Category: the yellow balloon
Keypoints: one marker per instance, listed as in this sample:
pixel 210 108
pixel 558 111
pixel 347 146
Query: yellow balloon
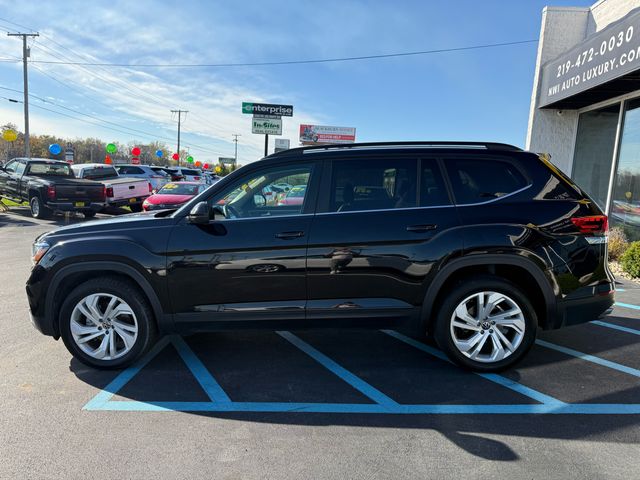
pixel 218 169
pixel 9 135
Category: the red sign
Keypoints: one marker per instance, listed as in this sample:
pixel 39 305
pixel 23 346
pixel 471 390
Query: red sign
pixel 320 134
pixel 135 161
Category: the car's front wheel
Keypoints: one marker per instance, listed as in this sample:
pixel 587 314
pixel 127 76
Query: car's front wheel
pixel 107 323
pixel 486 324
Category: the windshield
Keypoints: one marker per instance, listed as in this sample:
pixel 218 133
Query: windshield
pixel 49 169
pixel 179 189
pixel 99 173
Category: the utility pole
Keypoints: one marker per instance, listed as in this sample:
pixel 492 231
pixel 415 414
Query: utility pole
pixel 235 140
pixel 266 145
pixel 180 112
pixel 25 55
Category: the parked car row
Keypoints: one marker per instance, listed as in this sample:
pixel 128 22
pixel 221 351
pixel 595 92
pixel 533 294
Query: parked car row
pixel 53 185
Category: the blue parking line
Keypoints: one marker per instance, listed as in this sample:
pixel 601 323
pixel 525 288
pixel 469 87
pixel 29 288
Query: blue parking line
pixel 353 380
pixel 620 290
pixel 499 379
pixel 203 376
pixel 361 408
pixel 616 327
pixel 590 358
pixel 123 378
pixel 627 305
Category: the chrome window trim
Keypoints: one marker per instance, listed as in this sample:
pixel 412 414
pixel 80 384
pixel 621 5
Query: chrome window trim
pixel 388 209
pixel 296 215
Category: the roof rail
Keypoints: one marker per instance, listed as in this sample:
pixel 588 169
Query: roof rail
pixel 383 145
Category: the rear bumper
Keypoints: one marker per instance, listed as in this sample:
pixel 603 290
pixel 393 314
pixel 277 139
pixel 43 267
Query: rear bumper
pixel 583 310
pixel 71 206
pixel 126 201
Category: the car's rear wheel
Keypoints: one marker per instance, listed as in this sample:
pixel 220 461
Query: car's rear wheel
pixel 486 324
pixel 107 323
pixel 38 210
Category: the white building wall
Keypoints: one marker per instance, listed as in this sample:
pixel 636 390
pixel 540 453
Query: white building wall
pixel 553 131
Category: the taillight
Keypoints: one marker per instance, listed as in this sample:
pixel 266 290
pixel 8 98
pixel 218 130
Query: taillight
pixel 592 224
pixel 150 188
pixel 108 192
pixel 51 192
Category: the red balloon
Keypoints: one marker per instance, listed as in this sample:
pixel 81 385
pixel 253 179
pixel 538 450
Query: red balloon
pixel 135 151
pixel 175 156
pixel 206 166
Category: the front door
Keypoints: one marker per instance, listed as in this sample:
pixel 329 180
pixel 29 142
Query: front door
pixel 378 233
pixel 249 262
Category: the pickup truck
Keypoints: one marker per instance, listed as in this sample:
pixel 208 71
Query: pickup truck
pixel 119 191
pixel 49 185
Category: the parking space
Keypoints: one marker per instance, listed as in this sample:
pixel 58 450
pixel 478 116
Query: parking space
pixel 315 403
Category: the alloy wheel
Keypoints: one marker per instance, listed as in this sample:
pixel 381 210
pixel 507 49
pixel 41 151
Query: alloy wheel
pixel 104 326
pixel 487 326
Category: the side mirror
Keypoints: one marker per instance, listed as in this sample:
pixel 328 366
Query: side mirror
pixel 199 214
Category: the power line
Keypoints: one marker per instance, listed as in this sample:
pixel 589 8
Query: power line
pixel 290 62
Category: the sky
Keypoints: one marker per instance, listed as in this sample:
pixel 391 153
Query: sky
pixel 481 94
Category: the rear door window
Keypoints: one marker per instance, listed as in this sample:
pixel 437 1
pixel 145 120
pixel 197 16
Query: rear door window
pixel 130 170
pixel 479 180
pixel 373 184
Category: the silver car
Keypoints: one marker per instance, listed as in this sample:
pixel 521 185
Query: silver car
pixel 157 179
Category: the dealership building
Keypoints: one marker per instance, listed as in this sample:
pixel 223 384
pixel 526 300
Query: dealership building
pixel 585 106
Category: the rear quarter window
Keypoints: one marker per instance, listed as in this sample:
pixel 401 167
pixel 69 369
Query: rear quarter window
pixel 480 180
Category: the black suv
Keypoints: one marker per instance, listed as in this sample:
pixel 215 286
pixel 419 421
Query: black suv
pixel 474 244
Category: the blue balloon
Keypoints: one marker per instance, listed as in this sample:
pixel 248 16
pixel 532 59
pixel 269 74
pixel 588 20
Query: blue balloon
pixel 55 149
pixel 159 153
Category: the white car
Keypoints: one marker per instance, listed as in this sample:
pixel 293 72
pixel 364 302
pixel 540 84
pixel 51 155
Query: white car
pixel 156 179
pixel 191 174
pixel 119 191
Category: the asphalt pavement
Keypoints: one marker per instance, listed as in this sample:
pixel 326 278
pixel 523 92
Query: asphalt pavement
pixel 313 404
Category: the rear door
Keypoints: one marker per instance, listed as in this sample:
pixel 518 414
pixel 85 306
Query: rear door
pixel 382 224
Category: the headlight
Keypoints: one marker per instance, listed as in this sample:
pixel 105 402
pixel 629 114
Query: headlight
pixel 38 249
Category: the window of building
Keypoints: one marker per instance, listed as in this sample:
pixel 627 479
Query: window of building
pixel 476 181
pixel 373 184
pixel 593 155
pixel 625 199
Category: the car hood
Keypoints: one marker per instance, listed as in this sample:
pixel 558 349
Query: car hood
pixel 168 199
pixel 143 220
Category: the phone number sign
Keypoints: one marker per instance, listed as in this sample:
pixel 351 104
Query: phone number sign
pixel 609 54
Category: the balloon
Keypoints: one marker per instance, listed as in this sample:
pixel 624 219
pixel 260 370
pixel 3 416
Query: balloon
pixel 190 159
pixel 55 149
pixel 107 160
pixel 159 153
pixel 218 169
pixel 198 164
pixel 135 151
pixel 206 166
pixel 9 135
pixel 111 148
pixel 175 156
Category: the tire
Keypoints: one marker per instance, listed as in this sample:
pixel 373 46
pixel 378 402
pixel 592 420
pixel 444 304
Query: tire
pixel 38 210
pixel 461 345
pixel 89 214
pixel 136 207
pixel 135 322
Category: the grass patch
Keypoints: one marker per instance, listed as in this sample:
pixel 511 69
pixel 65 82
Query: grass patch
pixel 11 203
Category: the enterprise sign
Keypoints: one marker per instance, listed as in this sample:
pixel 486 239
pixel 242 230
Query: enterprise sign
pixel 267 109
pixel 607 55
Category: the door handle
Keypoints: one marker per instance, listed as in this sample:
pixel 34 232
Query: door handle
pixel 422 228
pixel 289 235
